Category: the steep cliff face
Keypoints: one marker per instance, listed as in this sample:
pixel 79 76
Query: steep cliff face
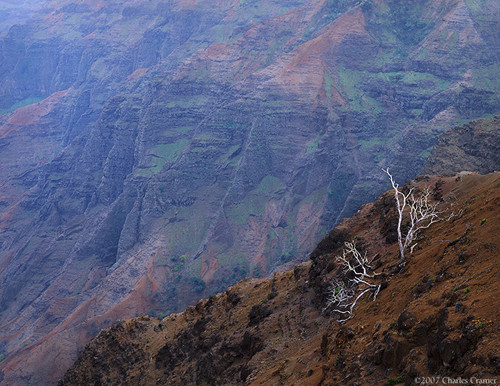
pixel 437 316
pixel 155 152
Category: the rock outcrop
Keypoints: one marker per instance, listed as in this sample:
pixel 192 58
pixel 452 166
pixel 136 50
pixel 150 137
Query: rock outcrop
pixel 472 147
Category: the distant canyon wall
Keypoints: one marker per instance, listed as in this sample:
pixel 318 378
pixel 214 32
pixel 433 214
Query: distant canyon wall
pixel 153 153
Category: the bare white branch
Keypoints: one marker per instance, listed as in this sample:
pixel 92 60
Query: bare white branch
pixel 342 298
pixel 420 209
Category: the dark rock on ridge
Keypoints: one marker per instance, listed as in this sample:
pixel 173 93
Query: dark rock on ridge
pixel 471 147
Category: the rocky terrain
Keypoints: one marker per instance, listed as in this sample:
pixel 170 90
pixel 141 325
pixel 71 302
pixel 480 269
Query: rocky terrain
pixel 437 316
pixel 156 152
pixel 474 147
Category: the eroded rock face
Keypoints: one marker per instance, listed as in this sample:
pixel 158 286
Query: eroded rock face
pixel 472 147
pixel 169 149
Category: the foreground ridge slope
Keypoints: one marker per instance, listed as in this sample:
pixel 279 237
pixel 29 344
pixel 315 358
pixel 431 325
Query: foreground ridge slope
pixel 437 316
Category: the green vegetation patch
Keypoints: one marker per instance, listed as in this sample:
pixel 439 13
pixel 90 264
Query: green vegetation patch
pixel 251 205
pixel 169 151
pixel 231 258
pixel 184 237
pixel 161 262
pixel 487 77
pixel 221 32
pixel 353 82
pixel 473 6
pixel 175 131
pixel 254 202
pixel 23 103
pixel 188 102
pixel 263 9
pixel 276 49
pixel 268 184
pixel 350 81
pixel 194 268
pixel 425 153
pixel 404 22
pixel 371 143
pixel 313 145
pixel 159 155
pixel 427 83
pixel 317 197
pixel 330 11
pixel 395 381
pixel 458 121
pixel 206 142
pixel 328 83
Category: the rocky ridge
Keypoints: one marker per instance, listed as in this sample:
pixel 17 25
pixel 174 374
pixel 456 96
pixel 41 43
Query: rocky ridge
pixel 438 316
pixel 472 147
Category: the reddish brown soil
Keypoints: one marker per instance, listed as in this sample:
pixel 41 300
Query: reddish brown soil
pixel 438 316
pixel 27 115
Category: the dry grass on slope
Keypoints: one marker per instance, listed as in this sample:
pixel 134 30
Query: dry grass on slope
pixel 439 316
